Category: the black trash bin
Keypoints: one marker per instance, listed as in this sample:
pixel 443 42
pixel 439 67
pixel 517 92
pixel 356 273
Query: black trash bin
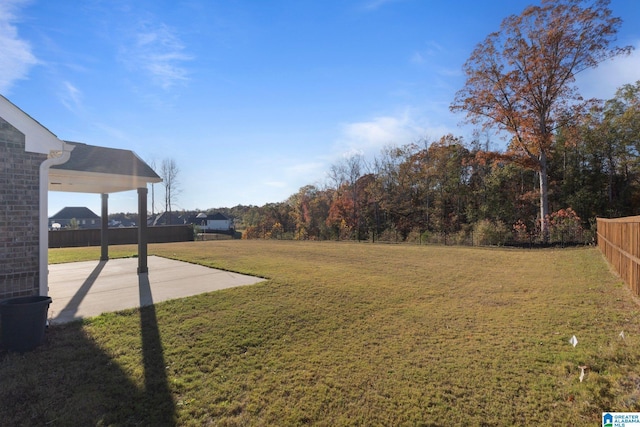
pixel 23 320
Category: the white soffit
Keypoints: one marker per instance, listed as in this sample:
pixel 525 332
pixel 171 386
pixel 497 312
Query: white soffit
pixel 92 182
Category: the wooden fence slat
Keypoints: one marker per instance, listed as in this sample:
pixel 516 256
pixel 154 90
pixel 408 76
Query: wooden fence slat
pixel 119 236
pixel 619 242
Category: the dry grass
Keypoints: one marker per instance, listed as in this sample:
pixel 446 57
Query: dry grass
pixel 347 334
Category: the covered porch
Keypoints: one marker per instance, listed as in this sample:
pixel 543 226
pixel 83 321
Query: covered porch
pixel 34 161
pixel 101 170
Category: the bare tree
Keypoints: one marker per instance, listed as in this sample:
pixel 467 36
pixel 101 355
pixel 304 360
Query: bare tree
pixel 152 163
pixel 345 175
pixel 169 173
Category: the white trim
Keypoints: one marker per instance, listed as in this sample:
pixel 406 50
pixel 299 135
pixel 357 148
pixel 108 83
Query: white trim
pixel 37 138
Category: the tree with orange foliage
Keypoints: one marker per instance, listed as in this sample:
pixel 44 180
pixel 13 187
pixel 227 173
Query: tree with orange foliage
pixel 521 79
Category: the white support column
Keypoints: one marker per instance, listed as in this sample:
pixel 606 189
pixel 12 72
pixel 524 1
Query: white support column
pixel 143 238
pixel 62 157
pixel 104 228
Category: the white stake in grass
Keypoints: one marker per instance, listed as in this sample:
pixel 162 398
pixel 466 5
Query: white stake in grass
pixel 582 368
pixel 573 341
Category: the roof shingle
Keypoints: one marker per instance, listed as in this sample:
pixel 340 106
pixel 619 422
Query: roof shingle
pixel 92 158
pixel 75 212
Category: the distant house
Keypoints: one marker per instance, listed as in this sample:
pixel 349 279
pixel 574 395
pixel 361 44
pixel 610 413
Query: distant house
pixel 83 217
pixel 216 222
pixel 165 218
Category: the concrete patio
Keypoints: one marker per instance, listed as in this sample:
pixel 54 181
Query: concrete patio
pixel 90 288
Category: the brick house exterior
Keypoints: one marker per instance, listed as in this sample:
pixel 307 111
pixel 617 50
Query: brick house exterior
pixel 27 151
pixel 19 214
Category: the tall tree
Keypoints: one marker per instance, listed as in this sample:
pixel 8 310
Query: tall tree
pixel 610 136
pixel 310 208
pixel 445 168
pixel 345 175
pixel 386 189
pixel 522 78
pixel 169 173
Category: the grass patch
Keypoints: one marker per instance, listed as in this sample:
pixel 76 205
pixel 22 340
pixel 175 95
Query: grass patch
pixel 90 253
pixel 347 334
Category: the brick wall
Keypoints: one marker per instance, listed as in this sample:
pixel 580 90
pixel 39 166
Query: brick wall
pixel 19 215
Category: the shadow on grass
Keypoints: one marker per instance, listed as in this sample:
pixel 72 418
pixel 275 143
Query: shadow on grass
pixel 155 373
pixel 71 380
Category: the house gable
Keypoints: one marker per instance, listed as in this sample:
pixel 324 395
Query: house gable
pixel 37 138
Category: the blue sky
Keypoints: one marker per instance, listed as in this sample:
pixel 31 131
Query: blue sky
pixel 253 99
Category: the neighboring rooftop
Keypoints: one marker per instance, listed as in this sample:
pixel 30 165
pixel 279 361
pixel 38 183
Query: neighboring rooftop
pixel 217 217
pixel 76 212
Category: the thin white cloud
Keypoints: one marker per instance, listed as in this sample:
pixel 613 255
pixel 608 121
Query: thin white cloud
pixel 376 4
pixel 431 49
pixel 449 71
pixel 113 132
pixel 418 58
pixel 308 168
pixel 157 51
pixel 17 57
pixel 377 132
pixel 71 97
pixel 437 61
pixel 369 137
pixel 603 81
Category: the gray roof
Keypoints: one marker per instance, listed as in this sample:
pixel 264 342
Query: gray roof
pixel 94 169
pixel 92 158
pixel 75 212
pixel 217 217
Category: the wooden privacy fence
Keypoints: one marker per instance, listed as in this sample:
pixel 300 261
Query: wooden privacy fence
pixel 119 236
pixel 619 241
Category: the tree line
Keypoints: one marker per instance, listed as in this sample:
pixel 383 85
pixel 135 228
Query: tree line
pixel 568 159
pixel 454 191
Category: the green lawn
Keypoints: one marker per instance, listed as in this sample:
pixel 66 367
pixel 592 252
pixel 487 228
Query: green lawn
pixel 346 334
